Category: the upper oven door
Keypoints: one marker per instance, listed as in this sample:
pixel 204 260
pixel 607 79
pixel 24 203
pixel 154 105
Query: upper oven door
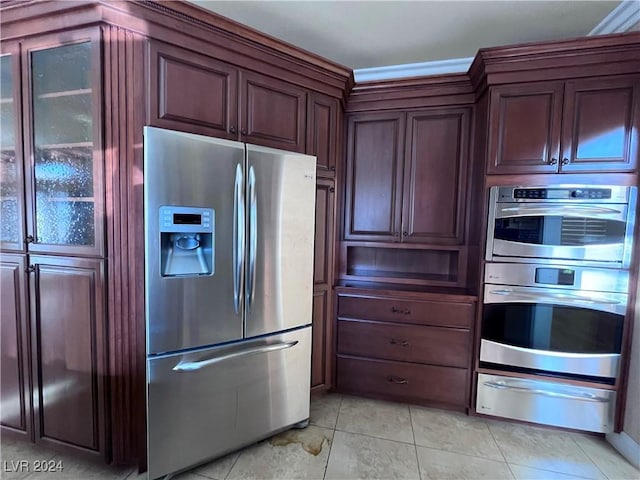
pixel 570 331
pixel 575 232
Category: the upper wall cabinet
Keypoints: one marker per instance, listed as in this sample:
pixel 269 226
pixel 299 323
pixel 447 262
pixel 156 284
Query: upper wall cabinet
pixel 192 92
pixel 198 94
pixel 53 176
pixel 374 177
pixel 575 126
pixel 11 164
pixel 403 171
pixel 323 121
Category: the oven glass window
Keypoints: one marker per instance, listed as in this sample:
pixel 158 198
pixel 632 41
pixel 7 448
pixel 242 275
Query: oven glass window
pixel 552 327
pixel 556 230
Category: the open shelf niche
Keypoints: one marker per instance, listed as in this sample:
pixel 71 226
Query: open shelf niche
pixel 438 265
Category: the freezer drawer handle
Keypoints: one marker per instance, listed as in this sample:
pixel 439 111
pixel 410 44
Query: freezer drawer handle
pixel 588 397
pixel 191 366
pixel 397 380
pixel 404 311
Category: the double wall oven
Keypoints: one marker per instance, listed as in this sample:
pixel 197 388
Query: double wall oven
pixel 555 295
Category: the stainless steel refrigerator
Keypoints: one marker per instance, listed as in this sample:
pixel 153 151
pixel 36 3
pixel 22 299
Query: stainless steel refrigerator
pixel 229 230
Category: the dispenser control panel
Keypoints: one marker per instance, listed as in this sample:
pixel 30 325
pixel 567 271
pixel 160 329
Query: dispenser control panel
pixel 186 219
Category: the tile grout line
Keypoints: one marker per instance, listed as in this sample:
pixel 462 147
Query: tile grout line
pixel 234 464
pixel 496 442
pixel 333 438
pixel 415 445
pixel 588 456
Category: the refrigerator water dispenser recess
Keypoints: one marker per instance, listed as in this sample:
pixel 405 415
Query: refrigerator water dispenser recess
pixel 187 240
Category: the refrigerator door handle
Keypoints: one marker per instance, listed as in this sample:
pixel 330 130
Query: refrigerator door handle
pixel 191 366
pixel 238 239
pixel 253 239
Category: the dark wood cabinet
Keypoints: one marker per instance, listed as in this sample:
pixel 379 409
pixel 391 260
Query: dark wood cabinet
pixel 323 123
pixel 69 352
pixel 192 91
pixel 435 174
pixel 12 206
pixel 53 332
pixel 373 202
pixel 600 125
pixel 319 340
pixel 199 94
pixel 404 346
pixel 273 112
pixel 401 180
pixel 321 353
pixel 524 128
pixel 63 145
pixel 324 232
pixel 575 126
pixel 15 415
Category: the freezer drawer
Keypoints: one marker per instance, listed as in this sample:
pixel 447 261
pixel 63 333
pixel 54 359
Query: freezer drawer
pixel 548 403
pixel 204 404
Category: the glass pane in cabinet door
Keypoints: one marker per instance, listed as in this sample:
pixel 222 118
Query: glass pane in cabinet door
pixel 63 145
pixel 9 178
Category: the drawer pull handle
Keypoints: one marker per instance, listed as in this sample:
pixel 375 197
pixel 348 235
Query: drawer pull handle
pixel 397 380
pixel 404 311
pixel 402 343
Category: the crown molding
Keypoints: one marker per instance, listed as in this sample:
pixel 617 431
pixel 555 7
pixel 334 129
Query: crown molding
pixel 621 19
pixel 454 65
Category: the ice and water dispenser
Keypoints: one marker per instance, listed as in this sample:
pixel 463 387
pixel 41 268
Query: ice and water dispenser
pixel 186 241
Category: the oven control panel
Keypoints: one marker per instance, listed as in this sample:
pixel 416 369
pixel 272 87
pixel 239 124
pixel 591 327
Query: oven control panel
pixel 562 193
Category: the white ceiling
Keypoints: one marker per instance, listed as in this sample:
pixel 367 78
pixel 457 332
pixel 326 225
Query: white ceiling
pixel 365 34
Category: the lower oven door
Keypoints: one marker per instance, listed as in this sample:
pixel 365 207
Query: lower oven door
pixel 548 403
pixel 553 330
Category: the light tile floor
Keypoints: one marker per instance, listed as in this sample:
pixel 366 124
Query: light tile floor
pixel 356 438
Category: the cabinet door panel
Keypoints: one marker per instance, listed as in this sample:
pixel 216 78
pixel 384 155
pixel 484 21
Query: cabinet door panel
pixel 14 378
pixel 323 260
pixel 192 92
pixel 69 353
pixel 435 176
pixel 319 338
pixel 322 132
pixel 273 112
pixel 374 177
pixel 600 125
pixel 63 133
pixel 524 128
pixel 12 208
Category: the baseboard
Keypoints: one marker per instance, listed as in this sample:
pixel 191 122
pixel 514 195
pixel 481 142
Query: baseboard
pixel 627 447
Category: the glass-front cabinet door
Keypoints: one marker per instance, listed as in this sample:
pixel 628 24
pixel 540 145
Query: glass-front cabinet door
pixel 11 166
pixel 63 141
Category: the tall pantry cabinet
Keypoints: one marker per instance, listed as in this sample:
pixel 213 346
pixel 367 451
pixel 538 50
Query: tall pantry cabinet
pixel 53 257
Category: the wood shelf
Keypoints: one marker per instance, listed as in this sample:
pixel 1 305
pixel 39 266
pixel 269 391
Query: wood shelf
pixel 437 265
pixel 66 93
pixel 71 199
pixel 53 146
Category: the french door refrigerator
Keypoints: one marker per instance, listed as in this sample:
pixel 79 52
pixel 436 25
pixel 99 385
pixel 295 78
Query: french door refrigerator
pixel 229 231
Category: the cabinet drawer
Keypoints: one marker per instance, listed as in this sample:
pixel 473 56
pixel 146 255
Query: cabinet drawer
pixel 403 381
pixel 409 343
pixel 447 314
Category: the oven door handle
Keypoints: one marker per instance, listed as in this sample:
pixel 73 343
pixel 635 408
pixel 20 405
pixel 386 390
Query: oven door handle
pixel 562 210
pixel 549 296
pixel 587 397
